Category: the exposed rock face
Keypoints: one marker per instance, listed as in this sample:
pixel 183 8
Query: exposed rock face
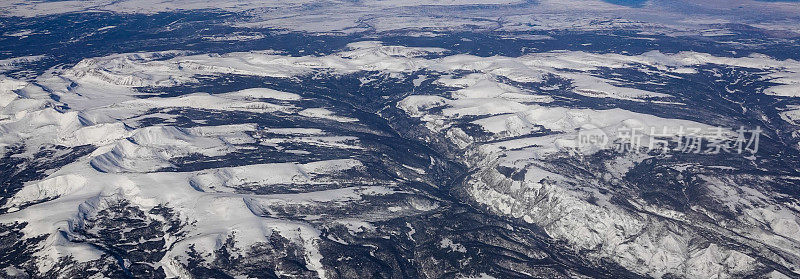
pixel 424 157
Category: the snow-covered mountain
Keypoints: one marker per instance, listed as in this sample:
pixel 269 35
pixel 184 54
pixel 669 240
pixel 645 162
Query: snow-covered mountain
pixel 196 139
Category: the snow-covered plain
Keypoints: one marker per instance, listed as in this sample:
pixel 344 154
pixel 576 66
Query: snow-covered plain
pixel 343 17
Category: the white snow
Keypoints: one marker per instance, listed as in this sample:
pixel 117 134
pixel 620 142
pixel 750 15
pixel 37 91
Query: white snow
pixel 229 179
pixel 14 63
pixel 452 246
pixel 102 111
